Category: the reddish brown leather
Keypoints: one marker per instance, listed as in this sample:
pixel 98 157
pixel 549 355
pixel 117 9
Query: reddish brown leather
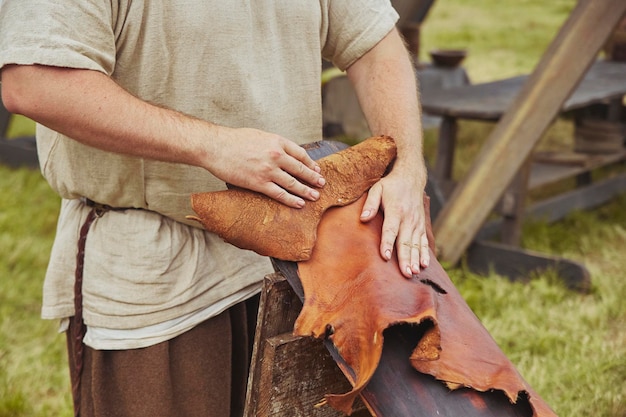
pixel 351 291
pixel 253 221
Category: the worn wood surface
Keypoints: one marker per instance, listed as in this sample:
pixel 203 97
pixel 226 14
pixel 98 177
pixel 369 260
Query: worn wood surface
pixel 297 372
pixel 541 98
pixel 289 375
pixel 278 310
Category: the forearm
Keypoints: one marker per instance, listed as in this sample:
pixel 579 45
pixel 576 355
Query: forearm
pixel 384 80
pixel 385 83
pixel 90 107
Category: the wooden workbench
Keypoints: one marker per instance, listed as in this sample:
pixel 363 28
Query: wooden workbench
pixel 605 81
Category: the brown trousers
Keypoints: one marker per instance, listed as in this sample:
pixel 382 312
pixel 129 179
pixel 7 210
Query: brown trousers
pixel 202 372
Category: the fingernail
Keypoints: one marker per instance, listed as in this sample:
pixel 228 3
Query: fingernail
pixel 315 194
pixel 300 203
pixel 408 270
pixel 388 254
pixel 416 268
pixel 366 213
pixel 321 182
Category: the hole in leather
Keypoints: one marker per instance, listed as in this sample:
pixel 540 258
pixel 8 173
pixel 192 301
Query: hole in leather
pixel 433 284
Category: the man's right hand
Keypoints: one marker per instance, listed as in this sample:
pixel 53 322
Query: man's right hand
pixel 266 163
pixel 90 107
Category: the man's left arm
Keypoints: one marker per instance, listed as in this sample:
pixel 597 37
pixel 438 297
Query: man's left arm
pixel 385 83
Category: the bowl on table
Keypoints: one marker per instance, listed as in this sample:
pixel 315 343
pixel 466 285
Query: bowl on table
pixel 448 57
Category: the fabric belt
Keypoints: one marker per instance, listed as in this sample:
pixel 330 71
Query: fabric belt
pixel 97 210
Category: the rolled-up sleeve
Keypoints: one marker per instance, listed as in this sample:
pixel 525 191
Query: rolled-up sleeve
pixel 351 30
pixel 69 33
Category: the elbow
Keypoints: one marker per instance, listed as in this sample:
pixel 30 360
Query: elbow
pixel 15 94
pixel 9 100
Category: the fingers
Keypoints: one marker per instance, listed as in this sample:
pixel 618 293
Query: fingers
pixel 299 154
pixel 424 251
pixel 403 229
pixel 413 254
pixel 391 226
pixel 294 177
pixel 372 204
pixel 289 191
pixel 298 171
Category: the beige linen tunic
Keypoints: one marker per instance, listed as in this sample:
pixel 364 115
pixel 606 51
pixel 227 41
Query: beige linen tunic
pixel 252 63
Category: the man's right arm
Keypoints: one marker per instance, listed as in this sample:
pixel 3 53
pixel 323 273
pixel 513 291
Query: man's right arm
pixel 90 107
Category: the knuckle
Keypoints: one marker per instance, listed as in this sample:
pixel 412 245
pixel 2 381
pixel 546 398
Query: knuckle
pixel 280 194
pixel 275 155
pixel 292 183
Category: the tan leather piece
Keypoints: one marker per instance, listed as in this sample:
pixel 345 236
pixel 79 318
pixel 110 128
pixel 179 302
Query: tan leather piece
pixel 253 221
pixel 350 289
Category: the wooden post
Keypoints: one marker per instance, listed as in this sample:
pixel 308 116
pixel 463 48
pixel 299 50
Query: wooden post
pixel 556 76
pixel 5 118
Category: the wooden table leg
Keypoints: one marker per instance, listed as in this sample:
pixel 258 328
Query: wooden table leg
pixel 513 206
pixel 445 152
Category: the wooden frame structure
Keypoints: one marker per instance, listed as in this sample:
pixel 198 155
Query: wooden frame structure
pixel 507 149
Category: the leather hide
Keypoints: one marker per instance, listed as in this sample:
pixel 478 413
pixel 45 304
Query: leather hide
pixel 253 221
pixel 351 293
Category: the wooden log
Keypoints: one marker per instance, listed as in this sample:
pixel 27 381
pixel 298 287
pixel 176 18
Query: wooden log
pixel 289 374
pixel 297 372
pixel 559 71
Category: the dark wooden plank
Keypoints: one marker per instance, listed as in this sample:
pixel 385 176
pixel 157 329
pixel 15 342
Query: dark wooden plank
pixel 604 80
pixel 557 207
pixel 397 390
pixel 445 149
pixel 544 173
pixel 512 205
pixel 582 198
pixel 484 257
pixel 485 101
pixel 317 150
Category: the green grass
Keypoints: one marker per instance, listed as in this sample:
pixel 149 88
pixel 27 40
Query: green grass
pixel 20 126
pixel 33 375
pixel 503 38
pixel 570 347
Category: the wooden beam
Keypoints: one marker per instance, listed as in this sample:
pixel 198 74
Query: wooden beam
pixel 556 76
